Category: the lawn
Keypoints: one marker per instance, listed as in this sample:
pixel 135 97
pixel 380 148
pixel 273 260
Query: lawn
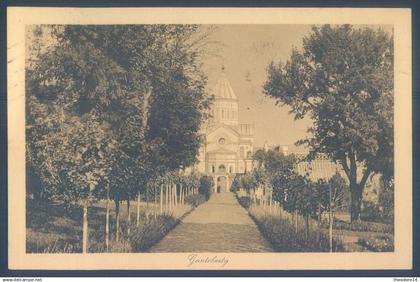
pixel 54 227
pixel 279 229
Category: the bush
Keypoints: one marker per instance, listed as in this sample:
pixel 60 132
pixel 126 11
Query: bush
pixel 362 226
pixel 280 232
pixel 244 201
pixel 150 232
pixel 375 213
pixel 378 244
pixel 195 200
pixel 206 184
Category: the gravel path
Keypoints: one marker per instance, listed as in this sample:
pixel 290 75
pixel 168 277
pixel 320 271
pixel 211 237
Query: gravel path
pixel 219 225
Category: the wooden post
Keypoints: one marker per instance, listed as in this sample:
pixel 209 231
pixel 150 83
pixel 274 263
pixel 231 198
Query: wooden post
pixel 166 198
pixel 175 195
pixel 128 217
pixel 85 227
pixel 161 198
pixel 155 199
pixel 296 221
pixel 117 219
pixel 138 209
pixel 330 215
pixel 181 199
pixel 107 222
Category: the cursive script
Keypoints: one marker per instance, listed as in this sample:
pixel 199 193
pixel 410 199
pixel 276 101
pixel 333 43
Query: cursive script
pixel 197 259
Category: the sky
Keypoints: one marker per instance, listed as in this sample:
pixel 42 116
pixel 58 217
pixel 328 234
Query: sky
pixel 245 51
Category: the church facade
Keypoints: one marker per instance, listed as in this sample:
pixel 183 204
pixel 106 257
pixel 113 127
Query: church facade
pixel 228 145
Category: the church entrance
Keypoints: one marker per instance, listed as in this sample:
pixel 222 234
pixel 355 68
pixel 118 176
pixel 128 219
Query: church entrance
pixel 222 185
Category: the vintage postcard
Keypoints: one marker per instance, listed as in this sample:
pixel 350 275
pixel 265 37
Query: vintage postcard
pixel 209 138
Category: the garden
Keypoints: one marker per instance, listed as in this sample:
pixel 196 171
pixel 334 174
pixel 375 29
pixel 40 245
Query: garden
pixel 296 214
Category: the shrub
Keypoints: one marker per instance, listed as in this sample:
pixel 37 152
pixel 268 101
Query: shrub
pixel 378 243
pixel 244 201
pixel 375 213
pixel 362 226
pixel 235 184
pixel 195 200
pixel 206 184
pixel 280 232
pixel 150 232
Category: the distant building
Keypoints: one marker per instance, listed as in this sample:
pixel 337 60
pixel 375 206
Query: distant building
pixel 228 145
pixel 324 168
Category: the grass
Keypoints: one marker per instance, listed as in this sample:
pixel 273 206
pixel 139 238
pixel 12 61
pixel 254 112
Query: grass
pixel 281 233
pixel 244 201
pixel 381 243
pixel 363 226
pixel 195 200
pixel 278 227
pixel 55 228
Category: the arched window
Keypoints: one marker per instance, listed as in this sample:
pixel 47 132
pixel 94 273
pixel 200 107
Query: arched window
pixel 230 169
pixel 212 168
pixel 249 154
pixel 222 168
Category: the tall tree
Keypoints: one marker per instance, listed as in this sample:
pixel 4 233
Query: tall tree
pixel 343 80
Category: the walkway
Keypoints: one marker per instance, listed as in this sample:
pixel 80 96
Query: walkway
pixel 219 225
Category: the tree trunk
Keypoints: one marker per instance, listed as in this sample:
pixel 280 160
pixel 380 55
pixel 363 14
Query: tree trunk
pixel 85 227
pixel 356 189
pixel 296 221
pixel 307 225
pixel 166 198
pixel 181 196
pixel 356 202
pixel 107 223
pixel 155 199
pixel 170 197
pixel 138 209
pixel 147 201
pixel 117 220
pixel 175 195
pixel 161 198
pixel 128 217
pixel 331 218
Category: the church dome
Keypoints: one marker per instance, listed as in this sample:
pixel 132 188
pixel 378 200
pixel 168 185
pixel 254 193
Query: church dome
pixel 223 90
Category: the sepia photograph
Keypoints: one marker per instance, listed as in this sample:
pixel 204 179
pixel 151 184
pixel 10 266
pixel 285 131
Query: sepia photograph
pixel 206 143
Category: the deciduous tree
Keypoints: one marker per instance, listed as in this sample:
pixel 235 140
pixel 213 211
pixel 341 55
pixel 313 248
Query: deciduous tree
pixel 343 80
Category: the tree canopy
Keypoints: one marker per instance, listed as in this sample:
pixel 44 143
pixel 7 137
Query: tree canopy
pixel 343 80
pixel 138 87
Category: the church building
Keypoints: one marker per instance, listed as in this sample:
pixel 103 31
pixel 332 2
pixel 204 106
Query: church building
pixel 228 145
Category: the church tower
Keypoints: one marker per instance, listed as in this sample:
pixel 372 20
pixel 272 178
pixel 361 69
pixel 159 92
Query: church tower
pixel 225 106
pixel 228 146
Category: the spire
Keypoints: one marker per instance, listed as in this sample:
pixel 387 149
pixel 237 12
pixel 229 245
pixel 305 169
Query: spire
pixel 223 88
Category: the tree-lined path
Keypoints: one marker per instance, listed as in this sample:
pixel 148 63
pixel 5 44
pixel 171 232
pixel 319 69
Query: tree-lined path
pixel 219 225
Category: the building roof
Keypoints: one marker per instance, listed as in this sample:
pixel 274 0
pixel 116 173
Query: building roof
pixel 223 89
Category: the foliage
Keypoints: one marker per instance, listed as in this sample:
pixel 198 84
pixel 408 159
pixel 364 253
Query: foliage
pixel 151 231
pixel 374 213
pixel 342 80
pixel 361 226
pixel 378 244
pixel 105 81
pixel 236 183
pixel 280 232
pixel 53 228
pixel 244 201
pixel 195 200
pixel 206 186
pixel 386 200
pixel 337 186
